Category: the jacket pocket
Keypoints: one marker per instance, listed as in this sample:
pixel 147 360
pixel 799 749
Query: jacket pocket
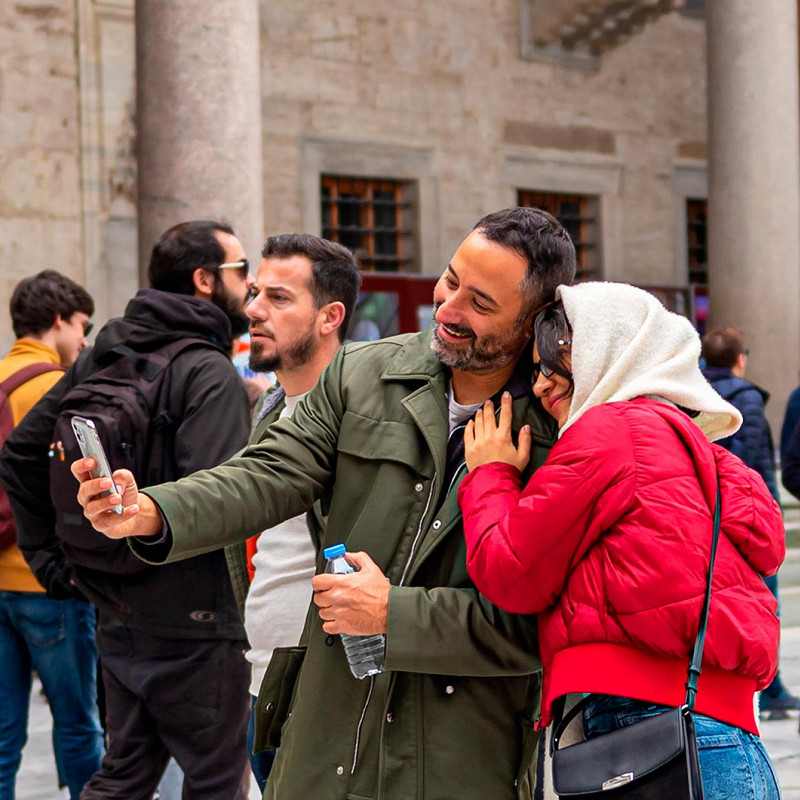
pixel 385 440
pixel 275 696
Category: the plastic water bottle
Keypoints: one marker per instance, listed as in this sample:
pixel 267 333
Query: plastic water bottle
pixel 366 655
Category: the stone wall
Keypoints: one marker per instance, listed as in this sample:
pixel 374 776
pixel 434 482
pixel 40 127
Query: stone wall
pixel 436 92
pixel 447 78
pixel 40 203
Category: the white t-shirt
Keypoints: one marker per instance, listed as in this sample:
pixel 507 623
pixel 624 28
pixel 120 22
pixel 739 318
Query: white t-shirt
pixel 279 595
pixel 459 414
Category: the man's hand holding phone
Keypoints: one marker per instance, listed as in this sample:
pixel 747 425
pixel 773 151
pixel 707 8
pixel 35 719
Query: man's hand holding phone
pixel 139 515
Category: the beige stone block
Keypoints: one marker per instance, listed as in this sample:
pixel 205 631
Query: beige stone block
pixel 400 92
pixel 29 245
pixel 309 80
pixel 39 183
pixel 392 126
pixel 692 150
pixel 333 38
pixel 282 115
pixel 16 130
pixel 572 137
pixel 44 16
pixel 45 95
pixel 375 41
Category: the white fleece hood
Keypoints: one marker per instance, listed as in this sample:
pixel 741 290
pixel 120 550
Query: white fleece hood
pixel 625 344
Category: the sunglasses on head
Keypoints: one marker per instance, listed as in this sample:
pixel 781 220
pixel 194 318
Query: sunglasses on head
pixel 243 266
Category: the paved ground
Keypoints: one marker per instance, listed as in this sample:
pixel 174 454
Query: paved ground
pixel 37 776
pixel 37 779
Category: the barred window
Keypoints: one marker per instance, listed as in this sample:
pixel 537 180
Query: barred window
pixel 578 213
pixel 696 240
pixel 373 217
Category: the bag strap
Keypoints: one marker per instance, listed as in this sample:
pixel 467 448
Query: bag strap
pixel 561 721
pixel 699 642
pixel 25 374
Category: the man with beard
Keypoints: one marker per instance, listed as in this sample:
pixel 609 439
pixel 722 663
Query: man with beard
pixel 169 639
pixel 378 441
pixel 303 299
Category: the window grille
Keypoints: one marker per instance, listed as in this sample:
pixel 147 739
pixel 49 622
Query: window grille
pixel 697 241
pixel 578 213
pixel 373 217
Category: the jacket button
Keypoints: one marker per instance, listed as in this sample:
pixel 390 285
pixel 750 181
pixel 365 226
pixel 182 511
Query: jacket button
pixel 449 689
pixel 437 524
pixel 340 770
pixel 390 717
pixel 419 487
pixel 330 640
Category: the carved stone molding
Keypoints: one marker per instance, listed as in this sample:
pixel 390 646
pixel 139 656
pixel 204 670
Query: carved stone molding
pixel 578 32
pixel 107 148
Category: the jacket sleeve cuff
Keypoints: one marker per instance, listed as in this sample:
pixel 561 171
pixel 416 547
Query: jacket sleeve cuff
pixel 153 549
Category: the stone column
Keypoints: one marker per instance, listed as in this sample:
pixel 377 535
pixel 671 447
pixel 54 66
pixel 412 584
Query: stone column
pixel 198 103
pixel 754 185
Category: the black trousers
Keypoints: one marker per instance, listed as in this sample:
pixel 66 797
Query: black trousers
pixel 172 697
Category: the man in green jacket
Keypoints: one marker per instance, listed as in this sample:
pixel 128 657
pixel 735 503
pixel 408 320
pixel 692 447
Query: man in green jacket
pixel 378 442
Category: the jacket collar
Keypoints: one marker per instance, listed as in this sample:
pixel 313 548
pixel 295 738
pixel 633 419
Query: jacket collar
pixel 415 359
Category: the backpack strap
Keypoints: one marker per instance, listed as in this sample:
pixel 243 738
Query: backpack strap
pixel 25 374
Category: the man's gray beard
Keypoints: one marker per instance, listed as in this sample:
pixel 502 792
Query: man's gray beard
pixel 299 354
pixel 494 352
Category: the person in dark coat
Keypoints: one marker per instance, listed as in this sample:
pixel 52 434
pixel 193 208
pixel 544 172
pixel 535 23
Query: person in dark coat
pixel 790 421
pixel 725 357
pixel 170 639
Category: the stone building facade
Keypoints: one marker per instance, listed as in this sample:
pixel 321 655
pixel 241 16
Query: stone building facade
pixel 464 104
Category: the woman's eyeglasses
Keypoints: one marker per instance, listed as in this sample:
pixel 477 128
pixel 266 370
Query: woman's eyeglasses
pixel 543 369
pixel 243 266
pixel 538 368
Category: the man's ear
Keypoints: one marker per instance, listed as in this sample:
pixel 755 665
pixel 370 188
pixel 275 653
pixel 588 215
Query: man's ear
pixel 332 316
pixel 203 281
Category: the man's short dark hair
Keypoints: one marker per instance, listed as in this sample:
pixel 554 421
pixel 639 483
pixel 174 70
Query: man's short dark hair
pixel 542 241
pixel 37 301
pixel 722 347
pixel 334 269
pixel 181 250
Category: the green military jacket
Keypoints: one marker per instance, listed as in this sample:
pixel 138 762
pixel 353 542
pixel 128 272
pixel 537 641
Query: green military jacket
pixel 452 716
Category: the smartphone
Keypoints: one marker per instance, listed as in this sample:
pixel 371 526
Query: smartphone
pixel 88 440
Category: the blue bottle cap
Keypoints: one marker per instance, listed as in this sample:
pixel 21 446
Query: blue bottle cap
pixel 334 550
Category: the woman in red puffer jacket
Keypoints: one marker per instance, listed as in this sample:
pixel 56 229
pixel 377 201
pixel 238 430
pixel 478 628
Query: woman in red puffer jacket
pixel 610 541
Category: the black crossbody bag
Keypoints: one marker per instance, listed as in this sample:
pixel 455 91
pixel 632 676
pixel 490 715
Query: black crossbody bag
pixel 654 759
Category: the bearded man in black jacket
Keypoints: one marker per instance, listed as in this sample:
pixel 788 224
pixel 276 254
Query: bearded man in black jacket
pixel 170 639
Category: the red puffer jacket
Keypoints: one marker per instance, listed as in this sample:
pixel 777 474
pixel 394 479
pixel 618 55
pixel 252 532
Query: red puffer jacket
pixel 610 544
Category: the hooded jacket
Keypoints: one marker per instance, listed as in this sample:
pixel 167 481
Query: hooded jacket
pixel 610 541
pixel 753 441
pixel 193 599
pixel 610 544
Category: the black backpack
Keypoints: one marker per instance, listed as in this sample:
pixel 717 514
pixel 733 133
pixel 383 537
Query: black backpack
pixel 8 534
pixel 127 398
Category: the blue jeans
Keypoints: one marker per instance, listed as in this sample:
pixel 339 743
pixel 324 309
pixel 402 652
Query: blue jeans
pixel 260 763
pixel 733 763
pixel 56 638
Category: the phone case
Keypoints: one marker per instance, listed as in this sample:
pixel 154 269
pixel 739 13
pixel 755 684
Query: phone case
pixel 89 442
